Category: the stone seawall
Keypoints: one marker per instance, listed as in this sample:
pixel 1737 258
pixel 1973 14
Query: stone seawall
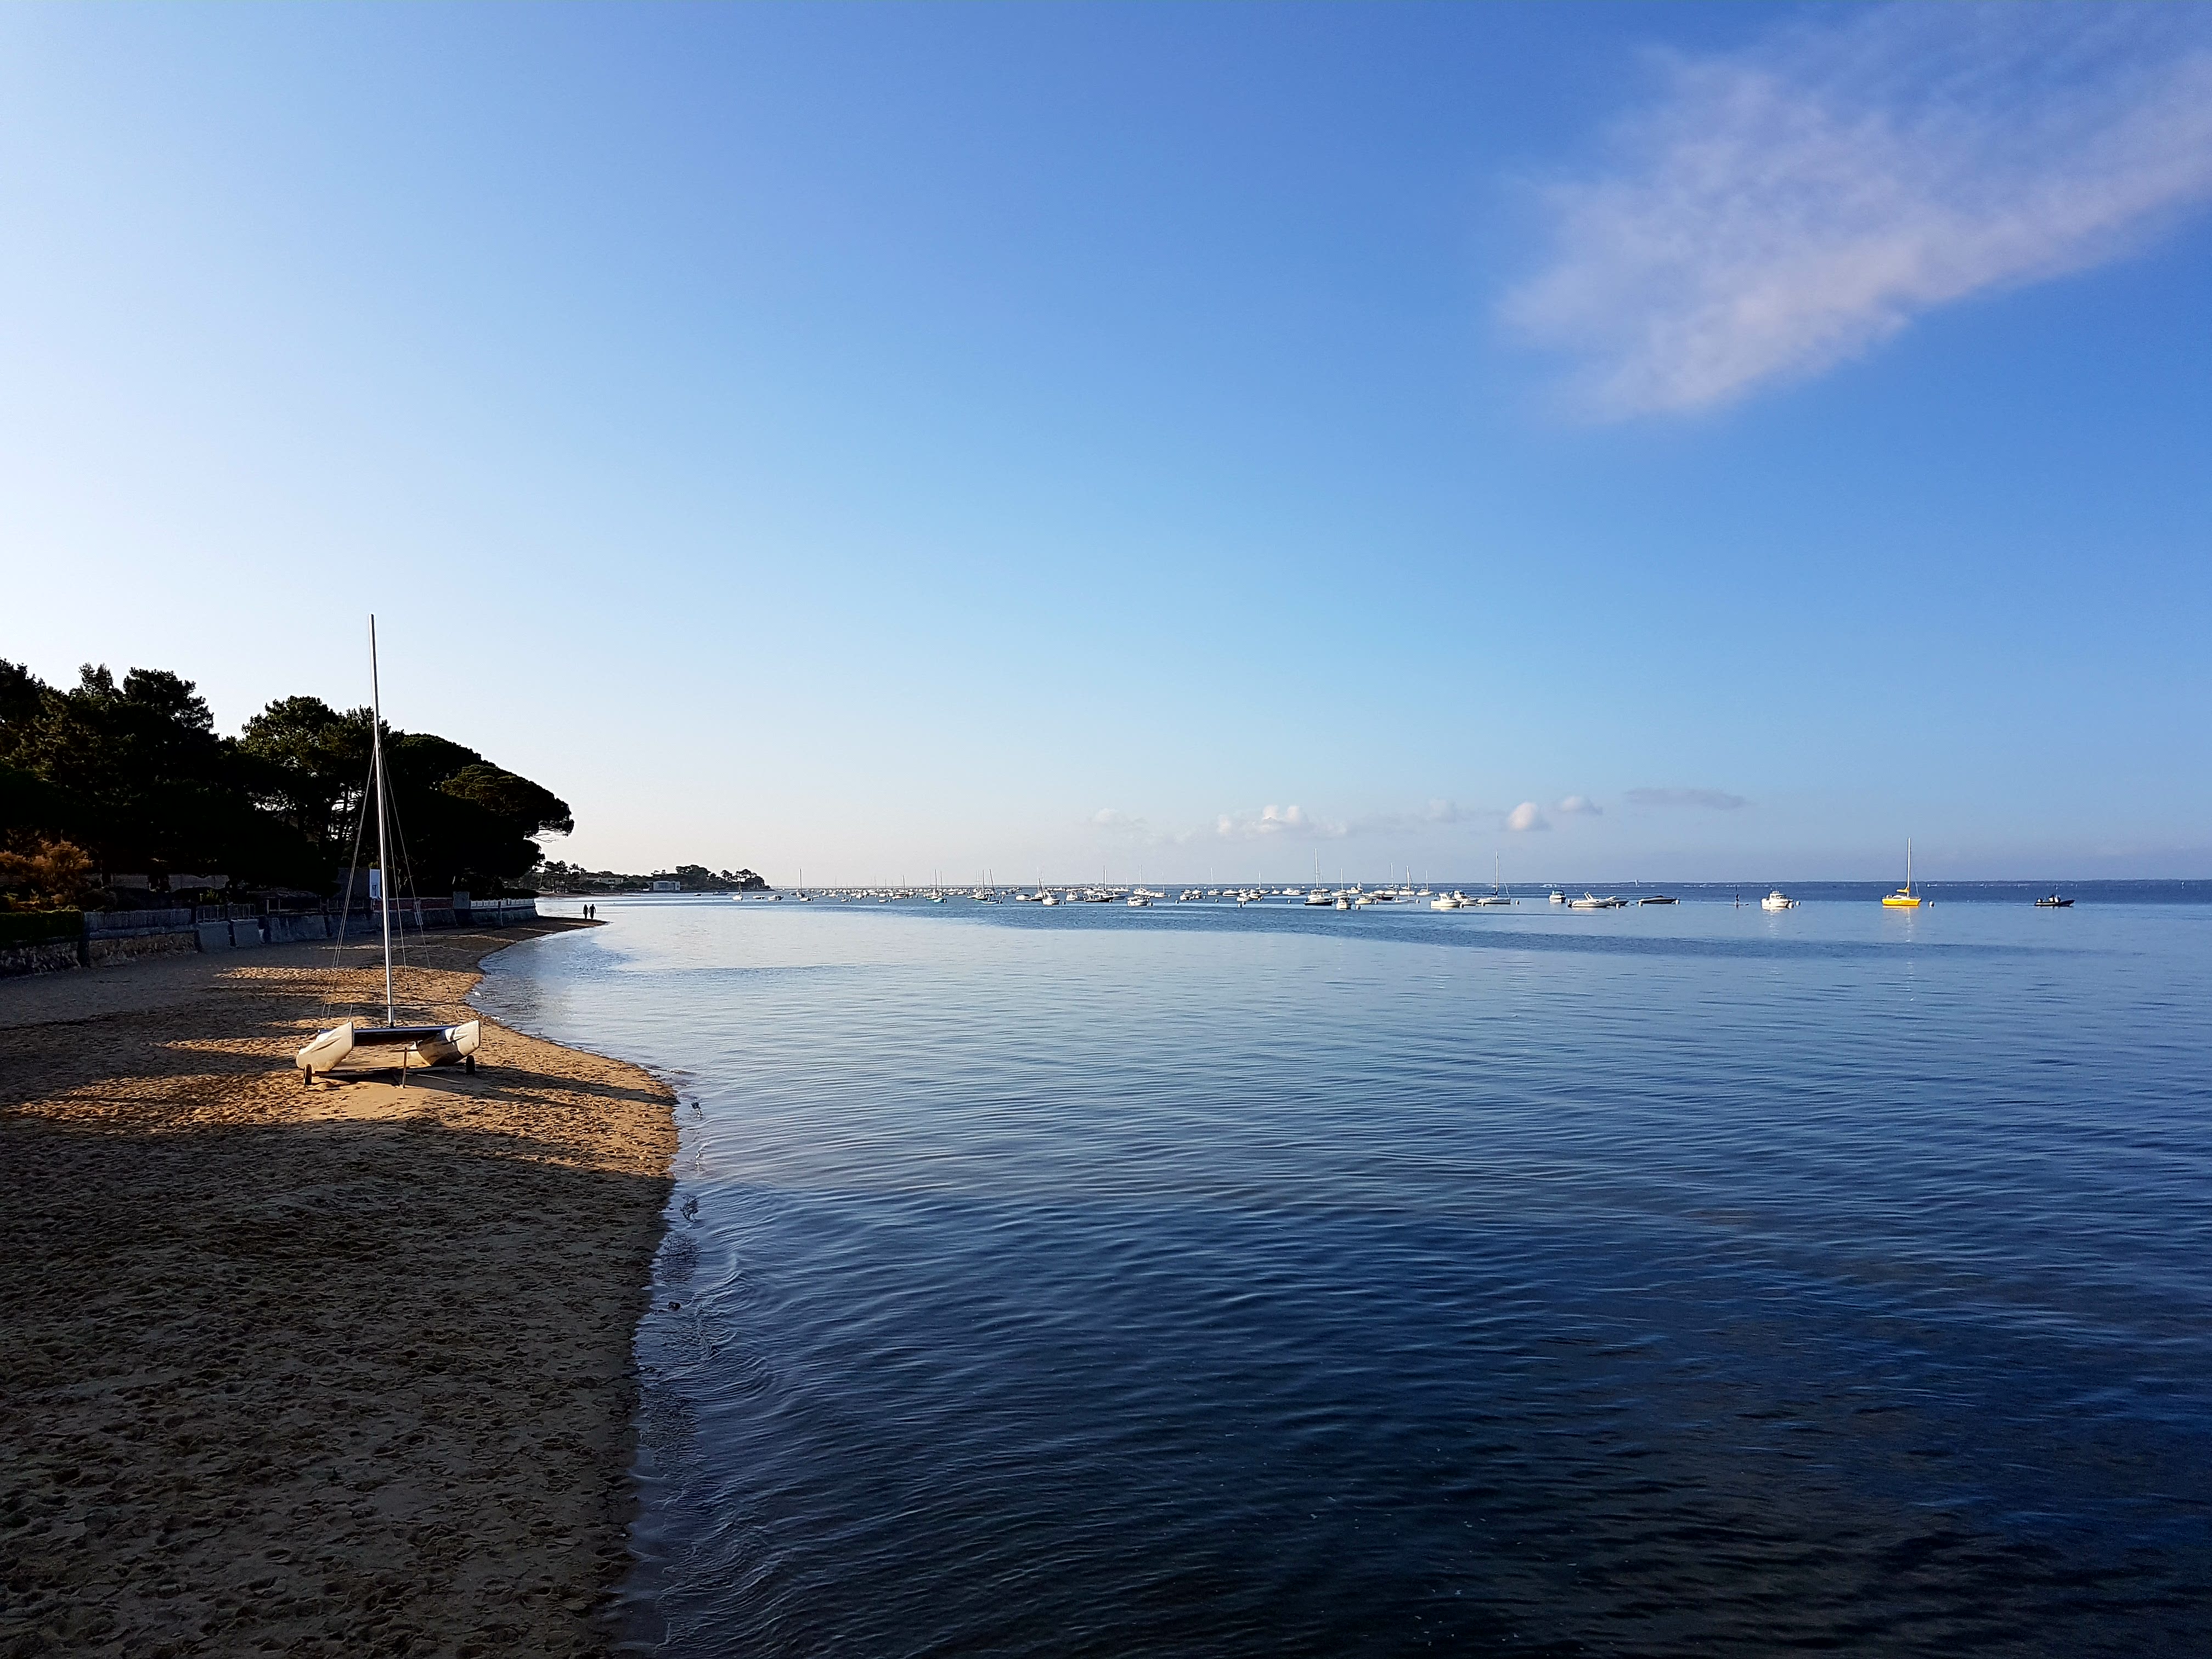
pixel 48 957
pixel 131 947
pixel 105 939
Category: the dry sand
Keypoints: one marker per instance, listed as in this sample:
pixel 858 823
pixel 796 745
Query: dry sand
pixel 292 1371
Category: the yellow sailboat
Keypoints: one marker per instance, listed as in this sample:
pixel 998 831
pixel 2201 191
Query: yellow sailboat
pixel 1905 898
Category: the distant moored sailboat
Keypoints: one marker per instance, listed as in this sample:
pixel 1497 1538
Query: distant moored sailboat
pixel 1905 898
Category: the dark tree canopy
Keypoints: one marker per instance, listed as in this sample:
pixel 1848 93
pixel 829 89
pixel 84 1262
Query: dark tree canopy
pixel 314 764
pixel 137 775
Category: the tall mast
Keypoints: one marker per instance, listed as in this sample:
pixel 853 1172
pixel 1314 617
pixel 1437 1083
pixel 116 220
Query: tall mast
pixel 376 775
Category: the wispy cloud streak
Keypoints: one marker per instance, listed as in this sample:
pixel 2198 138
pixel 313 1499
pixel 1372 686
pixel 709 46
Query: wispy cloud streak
pixel 1718 800
pixel 1781 209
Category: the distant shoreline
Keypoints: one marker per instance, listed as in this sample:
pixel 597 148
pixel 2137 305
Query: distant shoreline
pixel 2165 890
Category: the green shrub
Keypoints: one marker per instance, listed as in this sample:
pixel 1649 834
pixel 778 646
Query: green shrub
pixel 38 927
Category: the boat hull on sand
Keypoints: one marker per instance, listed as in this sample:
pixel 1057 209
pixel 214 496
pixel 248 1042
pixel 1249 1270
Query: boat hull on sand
pixel 426 1045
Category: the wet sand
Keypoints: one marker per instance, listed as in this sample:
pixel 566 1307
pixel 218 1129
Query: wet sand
pixel 294 1370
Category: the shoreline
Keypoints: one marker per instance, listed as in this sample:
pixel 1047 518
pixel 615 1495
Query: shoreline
pixel 339 1369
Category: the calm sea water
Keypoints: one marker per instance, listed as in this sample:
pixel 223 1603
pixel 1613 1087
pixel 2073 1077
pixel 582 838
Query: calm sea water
pixel 1206 1281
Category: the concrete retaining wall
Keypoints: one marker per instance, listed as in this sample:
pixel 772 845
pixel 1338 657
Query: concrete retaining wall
pixel 101 938
pixel 97 922
pixel 297 929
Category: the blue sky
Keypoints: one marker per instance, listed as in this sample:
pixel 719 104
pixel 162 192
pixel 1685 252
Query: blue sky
pixel 881 440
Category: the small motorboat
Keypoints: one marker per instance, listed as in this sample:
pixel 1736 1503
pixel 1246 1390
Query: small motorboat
pixel 1591 902
pixel 1445 902
pixel 2054 903
pixel 1659 898
pixel 1558 897
pixel 1778 900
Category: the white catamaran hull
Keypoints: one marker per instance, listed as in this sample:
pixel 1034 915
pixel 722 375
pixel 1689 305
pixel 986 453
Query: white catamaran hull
pixel 426 1045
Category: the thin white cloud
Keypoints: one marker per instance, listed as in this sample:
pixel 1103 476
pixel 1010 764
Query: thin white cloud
pixel 1294 823
pixel 1718 800
pixel 1291 823
pixel 1574 806
pixel 1438 814
pixel 1785 208
pixel 1129 827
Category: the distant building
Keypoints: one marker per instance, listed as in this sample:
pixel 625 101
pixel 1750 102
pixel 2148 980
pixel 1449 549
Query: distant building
pixel 662 885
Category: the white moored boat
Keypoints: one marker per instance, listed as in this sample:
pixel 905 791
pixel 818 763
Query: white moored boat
pixel 1778 900
pixel 1497 895
pixel 424 1045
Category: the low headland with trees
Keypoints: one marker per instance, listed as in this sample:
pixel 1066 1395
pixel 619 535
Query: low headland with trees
pixel 554 877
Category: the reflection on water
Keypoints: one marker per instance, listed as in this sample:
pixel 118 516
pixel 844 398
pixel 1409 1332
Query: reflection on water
pixel 1683 1281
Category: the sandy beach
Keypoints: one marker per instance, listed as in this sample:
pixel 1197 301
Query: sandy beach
pixel 311 1370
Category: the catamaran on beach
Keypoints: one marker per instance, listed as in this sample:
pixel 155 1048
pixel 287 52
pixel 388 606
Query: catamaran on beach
pixel 428 1045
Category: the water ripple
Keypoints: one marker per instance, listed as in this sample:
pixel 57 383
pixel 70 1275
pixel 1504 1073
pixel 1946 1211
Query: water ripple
pixel 1220 1282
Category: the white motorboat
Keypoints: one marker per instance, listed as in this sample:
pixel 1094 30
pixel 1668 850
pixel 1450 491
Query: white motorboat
pixel 1778 900
pixel 1591 902
pixel 427 1045
pixel 1558 897
pixel 1445 902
